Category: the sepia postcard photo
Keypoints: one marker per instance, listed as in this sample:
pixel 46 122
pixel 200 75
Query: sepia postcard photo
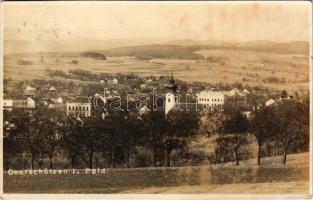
pixel 149 99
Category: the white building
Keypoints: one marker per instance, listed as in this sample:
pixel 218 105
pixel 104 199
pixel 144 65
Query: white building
pixel 115 81
pixel 30 88
pixel 52 89
pixel 149 81
pixel 211 100
pixel 280 100
pixel 7 104
pixel 246 91
pixel 236 96
pixel 79 107
pixel 270 102
pixel 30 103
pixel 143 86
pixel 57 100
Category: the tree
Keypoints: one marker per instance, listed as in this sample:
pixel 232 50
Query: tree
pixel 132 135
pixel 50 125
pixel 120 134
pixel 291 122
pixel 27 133
pixel 235 129
pixel 212 123
pixel 263 128
pixel 11 145
pixel 107 138
pixel 71 140
pixel 181 126
pixel 284 94
pixel 90 134
pixel 155 128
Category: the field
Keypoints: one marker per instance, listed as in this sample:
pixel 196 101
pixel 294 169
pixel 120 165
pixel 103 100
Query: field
pixel 270 177
pixel 273 70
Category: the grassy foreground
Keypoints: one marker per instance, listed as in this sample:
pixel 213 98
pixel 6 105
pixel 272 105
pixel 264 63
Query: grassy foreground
pixel 247 177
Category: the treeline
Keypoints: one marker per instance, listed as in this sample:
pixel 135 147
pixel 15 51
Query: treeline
pixel 95 55
pixel 283 127
pixel 85 75
pixel 128 139
pixel 73 74
pixel 110 142
pixel 273 79
pixel 157 51
pixel 134 80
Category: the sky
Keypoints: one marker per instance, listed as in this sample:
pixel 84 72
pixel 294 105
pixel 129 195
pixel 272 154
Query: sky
pixel 226 21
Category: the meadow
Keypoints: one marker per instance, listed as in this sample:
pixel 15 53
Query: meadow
pixel 194 179
pixel 272 70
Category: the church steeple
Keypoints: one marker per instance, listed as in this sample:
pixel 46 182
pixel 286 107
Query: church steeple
pixel 170 98
pixel 172 86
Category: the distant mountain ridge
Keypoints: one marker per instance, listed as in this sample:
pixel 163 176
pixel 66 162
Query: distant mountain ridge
pixel 116 47
pixel 298 45
pixel 184 49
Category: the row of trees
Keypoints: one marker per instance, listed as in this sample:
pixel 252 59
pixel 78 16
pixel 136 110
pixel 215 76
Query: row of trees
pixel 285 125
pixel 116 139
pixel 42 132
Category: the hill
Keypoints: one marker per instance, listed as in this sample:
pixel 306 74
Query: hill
pixel 157 51
pixel 295 47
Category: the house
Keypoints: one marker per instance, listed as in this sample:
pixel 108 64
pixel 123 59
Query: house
pixel 115 81
pixel 246 91
pixel 51 106
pixel 59 100
pixel 106 92
pixel 270 102
pixel 149 81
pixel 279 100
pixel 7 104
pixel 52 89
pixel 211 100
pixel 78 107
pixel 45 102
pixel 237 97
pixel 30 103
pixel 30 90
pixel 143 86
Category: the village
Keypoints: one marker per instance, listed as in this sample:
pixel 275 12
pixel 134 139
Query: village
pixel 208 99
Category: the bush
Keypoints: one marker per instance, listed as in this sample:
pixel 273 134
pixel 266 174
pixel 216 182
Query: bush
pixel 95 55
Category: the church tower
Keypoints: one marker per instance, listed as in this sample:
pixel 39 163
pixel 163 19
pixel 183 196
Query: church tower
pixel 170 98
